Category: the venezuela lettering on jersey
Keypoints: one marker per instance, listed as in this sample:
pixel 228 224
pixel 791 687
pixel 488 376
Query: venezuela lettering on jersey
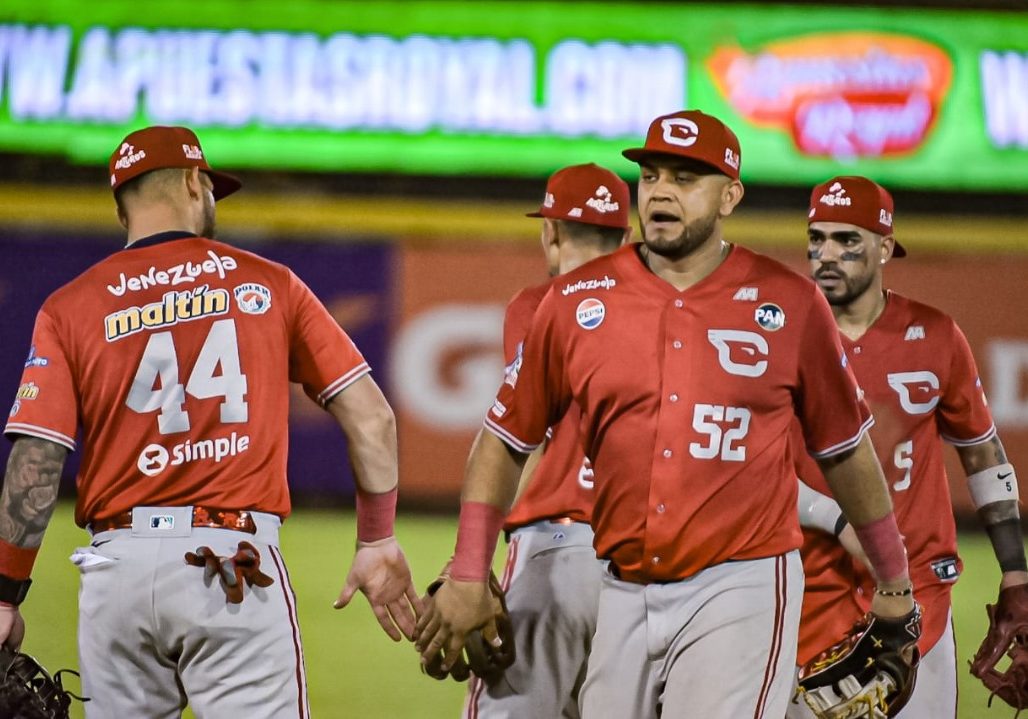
pixel 173 308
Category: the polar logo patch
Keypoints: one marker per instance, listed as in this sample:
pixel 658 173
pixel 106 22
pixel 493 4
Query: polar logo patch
pixel 252 298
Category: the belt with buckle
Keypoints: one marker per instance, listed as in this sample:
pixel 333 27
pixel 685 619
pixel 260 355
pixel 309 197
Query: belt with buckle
pixel 238 520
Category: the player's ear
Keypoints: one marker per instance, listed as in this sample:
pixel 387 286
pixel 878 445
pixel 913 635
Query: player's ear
pixel 887 247
pixel 626 239
pixel 194 185
pixel 122 217
pixel 731 195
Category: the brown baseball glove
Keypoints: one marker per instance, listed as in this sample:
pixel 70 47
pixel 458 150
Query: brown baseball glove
pixel 28 692
pixel 870 673
pixel 1008 634
pixel 484 660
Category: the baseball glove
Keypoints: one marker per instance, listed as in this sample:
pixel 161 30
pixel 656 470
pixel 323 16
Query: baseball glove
pixel 1008 634
pixel 483 659
pixel 870 673
pixel 28 692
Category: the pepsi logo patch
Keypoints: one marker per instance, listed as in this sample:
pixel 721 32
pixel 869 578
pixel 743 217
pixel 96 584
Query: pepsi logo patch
pixel 252 298
pixel 770 316
pixel 590 313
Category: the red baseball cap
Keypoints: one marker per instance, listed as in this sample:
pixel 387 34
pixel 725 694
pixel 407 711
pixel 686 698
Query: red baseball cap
pixel 854 200
pixel 160 147
pixel 695 135
pixel 587 193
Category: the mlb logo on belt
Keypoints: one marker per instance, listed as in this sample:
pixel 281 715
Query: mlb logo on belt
pixel 590 313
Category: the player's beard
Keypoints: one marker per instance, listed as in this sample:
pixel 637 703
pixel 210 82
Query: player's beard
pixel 849 289
pixel 695 234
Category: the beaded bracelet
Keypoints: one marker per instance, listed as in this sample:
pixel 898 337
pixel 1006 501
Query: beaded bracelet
pixel 902 593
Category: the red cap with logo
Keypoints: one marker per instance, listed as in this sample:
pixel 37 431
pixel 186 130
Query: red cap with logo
pixel 854 200
pixel 589 194
pixel 695 135
pixel 160 147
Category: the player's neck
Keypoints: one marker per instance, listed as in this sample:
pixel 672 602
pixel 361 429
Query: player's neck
pixel 856 318
pixel 684 272
pixel 161 219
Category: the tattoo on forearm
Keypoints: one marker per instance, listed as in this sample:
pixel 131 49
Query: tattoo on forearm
pixel 30 490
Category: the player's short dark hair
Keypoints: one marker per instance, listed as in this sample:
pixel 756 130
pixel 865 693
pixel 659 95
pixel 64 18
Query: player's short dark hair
pixel 152 181
pixel 608 238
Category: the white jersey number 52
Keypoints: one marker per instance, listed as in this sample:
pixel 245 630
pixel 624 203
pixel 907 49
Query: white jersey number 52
pixel 159 361
pixel 722 442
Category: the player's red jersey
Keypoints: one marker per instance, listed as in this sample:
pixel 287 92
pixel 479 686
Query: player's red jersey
pixel 686 400
pixel 174 356
pixel 921 382
pixel 561 485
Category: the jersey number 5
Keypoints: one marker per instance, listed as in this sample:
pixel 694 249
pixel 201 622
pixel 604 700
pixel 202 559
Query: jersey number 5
pixel 160 361
pixel 707 419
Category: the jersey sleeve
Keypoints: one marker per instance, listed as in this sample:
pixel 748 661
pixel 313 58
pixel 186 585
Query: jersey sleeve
pixel 829 405
pixel 322 357
pixel 516 321
pixel 534 393
pixel 963 415
pixel 46 404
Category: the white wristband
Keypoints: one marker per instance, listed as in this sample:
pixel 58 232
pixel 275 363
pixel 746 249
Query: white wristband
pixel 995 484
pixel 817 511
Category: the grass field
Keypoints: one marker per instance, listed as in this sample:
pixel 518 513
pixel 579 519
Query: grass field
pixel 354 669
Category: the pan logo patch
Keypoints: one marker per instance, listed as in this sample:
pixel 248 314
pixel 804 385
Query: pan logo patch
pixel 770 316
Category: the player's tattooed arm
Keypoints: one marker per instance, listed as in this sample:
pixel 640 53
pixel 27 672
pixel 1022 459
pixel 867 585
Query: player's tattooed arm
pixel 30 490
pixel 979 457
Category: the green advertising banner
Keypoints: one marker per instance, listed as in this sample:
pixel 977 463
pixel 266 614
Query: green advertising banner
pixel 913 98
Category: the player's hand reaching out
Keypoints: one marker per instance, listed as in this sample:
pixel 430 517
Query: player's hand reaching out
pixel 456 609
pixel 12 626
pixel 380 570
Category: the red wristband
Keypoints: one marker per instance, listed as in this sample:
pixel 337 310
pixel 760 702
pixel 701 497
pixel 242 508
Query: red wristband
pixel 883 544
pixel 477 534
pixel 376 515
pixel 16 562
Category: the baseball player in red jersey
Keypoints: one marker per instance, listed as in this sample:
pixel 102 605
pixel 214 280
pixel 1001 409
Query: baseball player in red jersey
pixel 552 577
pixel 688 362
pixel 173 357
pixel 916 370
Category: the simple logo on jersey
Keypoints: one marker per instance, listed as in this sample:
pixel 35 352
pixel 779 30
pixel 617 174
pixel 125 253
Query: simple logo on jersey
pixel 15 408
pixel 175 275
pixel 590 313
pixel 836 195
pixel 607 283
pixel 192 152
pixel 738 351
pixel 28 391
pixel 154 458
pixel 162 521
pixel 511 371
pixel 745 294
pixel 33 361
pixel 914 332
pixel 918 391
pixel 770 316
pixel 680 131
pixel 602 201
pixel 252 298
pixel 127 157
pixel 173 308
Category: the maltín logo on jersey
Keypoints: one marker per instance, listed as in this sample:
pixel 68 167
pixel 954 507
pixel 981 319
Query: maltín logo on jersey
pixel 252 298
pixel 154 458
pixel 29 390
pixel 770 316
pixel 590 313
pixel 172 308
